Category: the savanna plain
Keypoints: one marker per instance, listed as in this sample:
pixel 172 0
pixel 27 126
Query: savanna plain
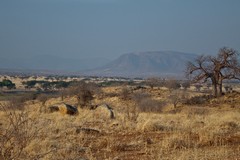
pixel 85 119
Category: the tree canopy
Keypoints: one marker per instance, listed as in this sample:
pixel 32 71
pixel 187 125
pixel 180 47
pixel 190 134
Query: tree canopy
pixel 224 66
pixel 8 83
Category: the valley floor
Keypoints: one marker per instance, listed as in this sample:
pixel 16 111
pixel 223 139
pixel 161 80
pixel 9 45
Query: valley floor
pixel 198 132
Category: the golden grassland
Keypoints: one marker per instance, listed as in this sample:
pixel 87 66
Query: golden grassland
pixel 197 132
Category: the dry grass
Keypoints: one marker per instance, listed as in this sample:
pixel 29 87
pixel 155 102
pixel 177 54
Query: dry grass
pixel 186 132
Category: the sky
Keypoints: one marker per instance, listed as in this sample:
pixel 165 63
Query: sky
pixel 109 28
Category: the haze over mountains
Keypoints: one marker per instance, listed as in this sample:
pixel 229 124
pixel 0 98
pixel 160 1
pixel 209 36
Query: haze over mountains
pixel 143 64
pixel 146 64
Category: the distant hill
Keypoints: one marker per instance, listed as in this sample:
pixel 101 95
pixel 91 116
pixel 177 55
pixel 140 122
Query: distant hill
pixel 146 64
pixel 143 64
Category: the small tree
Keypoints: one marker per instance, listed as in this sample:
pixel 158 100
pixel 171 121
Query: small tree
pixel 62 93
pixel 84 92
pixel 177 97
pixel 145 103
pixel 125 93
pixel 153 82
pixel 172 84
pixel 17 134
pixel 43 99
pixel 8 83
pixel 224 66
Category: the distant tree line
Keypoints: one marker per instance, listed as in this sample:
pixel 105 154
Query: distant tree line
pixel 171 84
pixel 46 85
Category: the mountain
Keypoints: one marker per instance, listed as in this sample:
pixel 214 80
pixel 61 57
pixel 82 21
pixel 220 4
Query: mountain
pixel 50 62
pixel 146 64
pixel 143 64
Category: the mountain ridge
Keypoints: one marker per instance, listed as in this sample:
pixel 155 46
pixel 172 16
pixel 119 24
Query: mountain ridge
pixel 134 64
pixel 145 64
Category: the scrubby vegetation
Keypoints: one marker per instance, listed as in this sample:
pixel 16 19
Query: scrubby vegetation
pixel 46 85
pixel 120 121
pixel 7 83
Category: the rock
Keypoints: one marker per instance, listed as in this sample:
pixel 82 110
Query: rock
pixel 67 109
pixel 105 110
pixel 52 109
pixel 87 130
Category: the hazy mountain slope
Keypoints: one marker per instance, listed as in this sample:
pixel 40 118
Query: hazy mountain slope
pixel 144 64
pixel 166 63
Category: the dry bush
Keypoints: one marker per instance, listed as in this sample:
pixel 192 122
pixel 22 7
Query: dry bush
pixel 125 94
pixel 28 97
pixel 17 133
pixel 150 105
pixel 132 113
pixel 172 84
pixel 63 93
pixel 145 103
pixel 84 92
pixel 177 96
pixel 153 82
pixel 17 102
pixel 43 99
pixel 198 100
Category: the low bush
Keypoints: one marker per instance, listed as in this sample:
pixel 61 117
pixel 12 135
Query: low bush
pixel 198 100
pixel 16 135
pixel 125 94
pixel 145 103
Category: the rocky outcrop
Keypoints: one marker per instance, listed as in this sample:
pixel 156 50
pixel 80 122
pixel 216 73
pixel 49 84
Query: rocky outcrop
pixel 63 108
pixel 105 110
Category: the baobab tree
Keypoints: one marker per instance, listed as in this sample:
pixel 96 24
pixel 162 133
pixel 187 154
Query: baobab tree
pixel 224 66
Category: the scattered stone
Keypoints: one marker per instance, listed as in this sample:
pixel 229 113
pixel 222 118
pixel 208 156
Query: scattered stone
pixel 105 109
pixel 87 130
pixel 63 108
pixel 149 141
pixel 52 109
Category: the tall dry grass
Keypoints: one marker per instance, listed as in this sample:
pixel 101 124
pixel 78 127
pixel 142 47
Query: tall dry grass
pixel 188 132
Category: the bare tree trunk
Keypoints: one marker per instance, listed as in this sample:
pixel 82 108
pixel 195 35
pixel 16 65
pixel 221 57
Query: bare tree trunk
pixel 214 86
pixel 214 89
pixel 219 92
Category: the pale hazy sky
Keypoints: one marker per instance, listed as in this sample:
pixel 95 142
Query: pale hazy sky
pixel 109 28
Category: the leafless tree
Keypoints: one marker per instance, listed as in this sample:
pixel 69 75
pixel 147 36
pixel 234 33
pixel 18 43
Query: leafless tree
pixel 224 66
pixel 17 134
pixel 43 99
pixel 125 93
pixel 145 103
pixel 153 82
pixel 177 96
pixel 172 84
pixel 84 92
